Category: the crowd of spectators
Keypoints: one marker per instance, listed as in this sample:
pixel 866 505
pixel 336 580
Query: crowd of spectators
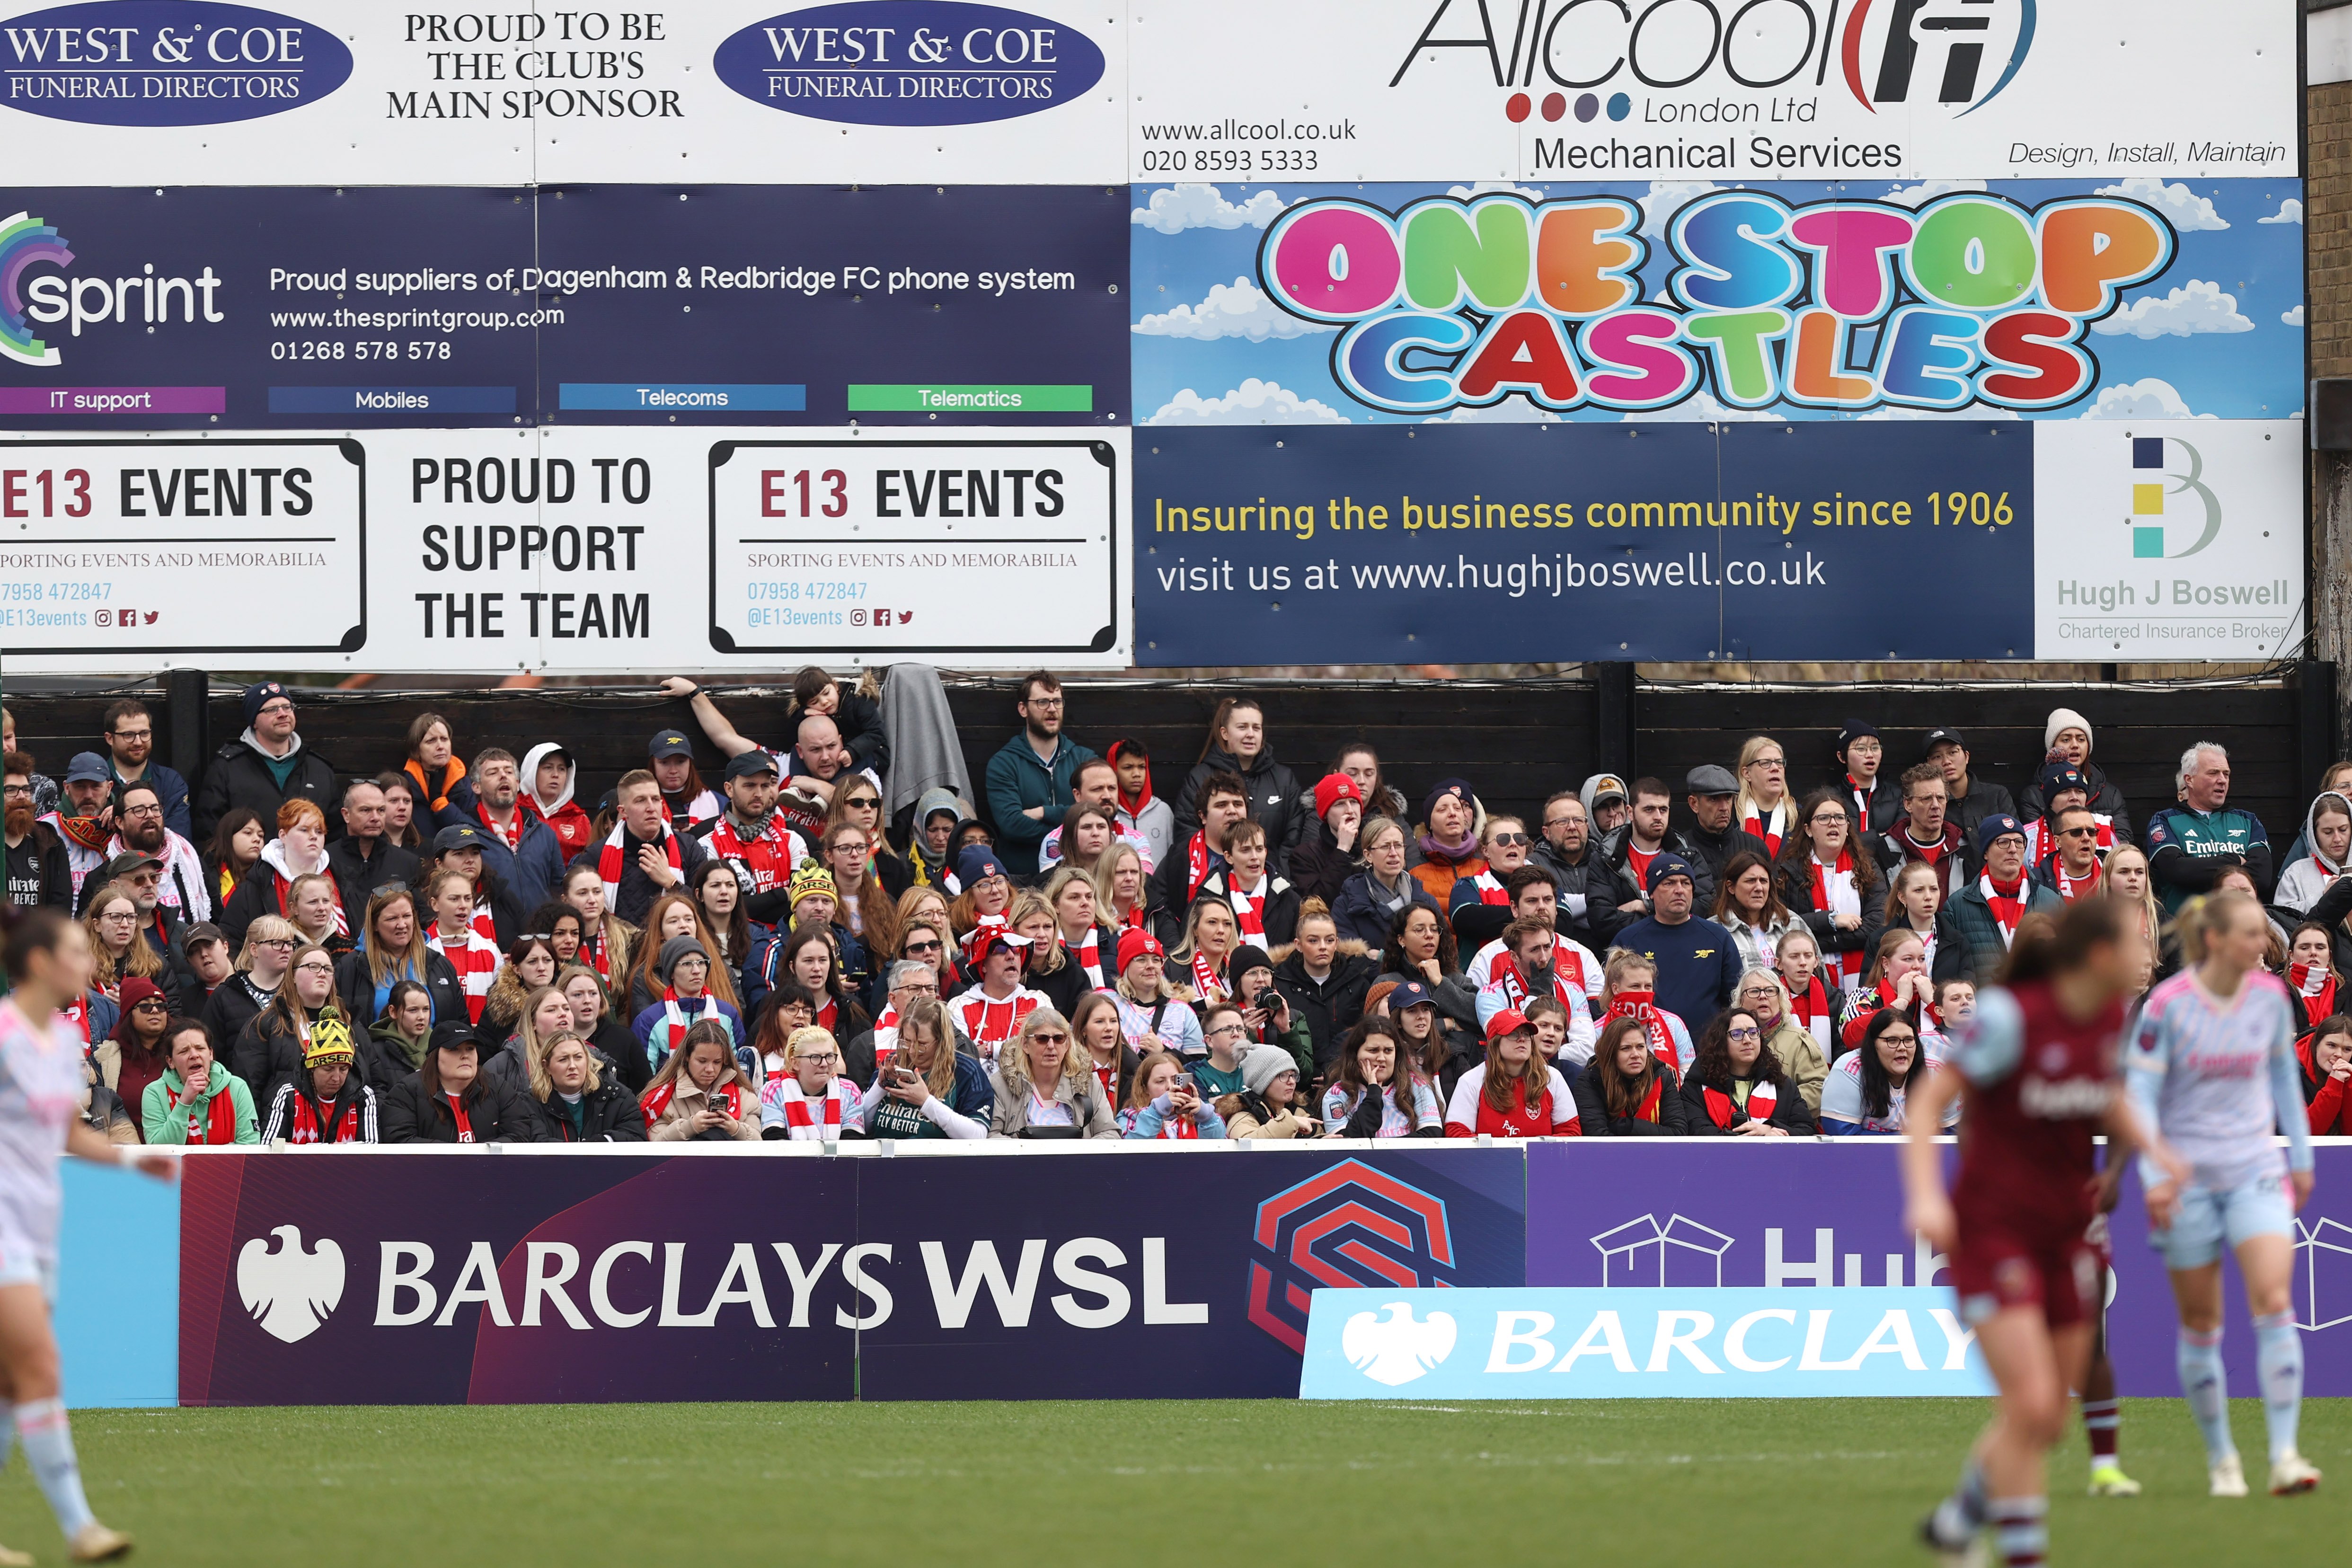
pixel 462 951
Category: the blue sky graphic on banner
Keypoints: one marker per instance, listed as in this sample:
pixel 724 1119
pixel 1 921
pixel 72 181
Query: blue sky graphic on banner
pixel 1604 301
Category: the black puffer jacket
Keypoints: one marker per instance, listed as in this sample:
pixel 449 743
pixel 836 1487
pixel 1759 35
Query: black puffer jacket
pixel 495 1115
pixel 1274 802
pixel 1332 1007
pixel 608 1114
pixel 240 776
pixel 1593 1120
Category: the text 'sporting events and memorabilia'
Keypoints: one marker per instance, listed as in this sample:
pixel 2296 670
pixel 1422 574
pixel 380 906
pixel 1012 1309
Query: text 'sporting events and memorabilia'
pixel 478 340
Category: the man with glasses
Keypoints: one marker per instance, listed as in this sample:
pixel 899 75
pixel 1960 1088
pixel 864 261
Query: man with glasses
pixel 1030 781
pixel 140 827
pixel 130 750
pixel 2062 785
pixel 84 819
pixel 36 855
pixel 916 975
pixel 1976 926
pixel 1586 888
pixel 2078 858
pixel 264 768
pixel 159 928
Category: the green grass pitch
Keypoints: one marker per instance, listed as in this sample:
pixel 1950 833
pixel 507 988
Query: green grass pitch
pixel 1751 1482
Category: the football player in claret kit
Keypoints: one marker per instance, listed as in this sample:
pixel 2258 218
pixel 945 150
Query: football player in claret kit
pixel 2038 1065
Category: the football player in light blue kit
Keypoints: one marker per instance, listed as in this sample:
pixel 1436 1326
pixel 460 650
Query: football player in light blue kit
pixel 2212 1067
pixel 47 960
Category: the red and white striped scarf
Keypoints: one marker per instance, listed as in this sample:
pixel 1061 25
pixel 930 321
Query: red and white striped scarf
pixel 1206 981
pixel 610 867
pixel 1862 795
pixel 1849 964
pixel 1490 889
pixel 510 838
pixel 282 885
pixel 1811 1010
pixel 765 855
pixel 476 960
pixel 304 1128
pixel 1179 1128
pixel 2071 886
pixel 1772 829
pixel 1087 955
pixel 598 953
pixel 1249 909
pixel 1196 866
pixel 727 1096
pixel 1643 1005
pixel 1514 983
pixel 2008 908
pixel 802 1121
pixel 212 1120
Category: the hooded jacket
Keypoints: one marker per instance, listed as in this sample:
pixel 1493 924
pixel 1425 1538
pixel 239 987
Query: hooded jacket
pixel 532 870
pixel 243 774
pixel 1275 803
pixel 564 815
pixel 256 895
pixel 2302 885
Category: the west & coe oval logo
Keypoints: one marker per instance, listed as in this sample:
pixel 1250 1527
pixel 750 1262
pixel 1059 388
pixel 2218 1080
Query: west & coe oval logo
pixel 909 62
pixel 165 62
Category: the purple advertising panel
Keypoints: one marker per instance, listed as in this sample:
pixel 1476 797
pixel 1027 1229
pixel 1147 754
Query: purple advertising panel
pixel 508 1279
pixel 1733 1212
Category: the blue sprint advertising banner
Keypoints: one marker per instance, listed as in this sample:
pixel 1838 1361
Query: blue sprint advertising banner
pixel 397 307
pixel 1638 1344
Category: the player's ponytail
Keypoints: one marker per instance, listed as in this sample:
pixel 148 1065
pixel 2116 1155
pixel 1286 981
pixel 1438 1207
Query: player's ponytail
pixel 2203 918
pixel 24 931
pixel 2045 948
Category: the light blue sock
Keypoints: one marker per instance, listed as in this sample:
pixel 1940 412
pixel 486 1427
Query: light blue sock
pixel 7 1431
pixel 48 1448
pixel 2207 1388
pixel 2278 1356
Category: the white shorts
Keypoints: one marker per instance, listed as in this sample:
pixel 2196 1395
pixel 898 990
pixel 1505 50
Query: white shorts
pixel 20 1265
pixel 2211 1218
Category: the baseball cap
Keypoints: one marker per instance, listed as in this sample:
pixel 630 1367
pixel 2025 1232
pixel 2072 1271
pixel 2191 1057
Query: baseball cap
pixel 1603 787
pixel 1509 1021
pixel 130 862
pixel 999 936
pixel 459 838
pixel 1711 778
pixel 669 743
pixel 750 763
pixel 1410 994
pixel 87 767
pixel 1941 737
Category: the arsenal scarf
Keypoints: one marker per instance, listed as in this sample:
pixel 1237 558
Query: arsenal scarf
pixel 2071 888
pixel 1771 829
pixel 765 855
pixel 2008 904
pixel 1178 1127
pixel 1727 1113
pixel 305 1128
pixel 1133 918
pixel 677 1019
pixel 1087 955
pixel 1490 889
pixel 1861 795
pixel 1514 986
pixel 1205 979
pixel 511 838
pixel 803 1121
pixel 456 1105
pixel 1810 1009
pixel 343 921
pixel 1249 909
pixel 2317 986
pixel 1647 1110
pixel 1196 866
pixel 1835 892
pixel 610 867
pixel 599 955
pixel 1643 1005
pixel 1107 1075
pixel 212 1122
pixel 727 1098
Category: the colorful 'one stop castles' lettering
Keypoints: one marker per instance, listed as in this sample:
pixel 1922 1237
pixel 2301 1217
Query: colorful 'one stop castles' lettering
pixel 1971 298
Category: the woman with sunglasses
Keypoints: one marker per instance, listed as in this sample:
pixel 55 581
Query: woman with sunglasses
pixel 134 1056
pixel 859 804
pixel 1040 1092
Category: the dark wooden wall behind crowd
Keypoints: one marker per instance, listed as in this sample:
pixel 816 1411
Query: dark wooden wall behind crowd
pixel 1515 741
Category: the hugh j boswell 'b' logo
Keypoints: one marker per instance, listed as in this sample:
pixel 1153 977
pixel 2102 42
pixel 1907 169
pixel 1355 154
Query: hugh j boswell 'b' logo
pixel 1395 1350
pixel 289 1291
pixel 24 240
pixel 2192 525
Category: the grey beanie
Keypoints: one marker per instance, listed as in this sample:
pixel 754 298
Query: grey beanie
pixel 673 949
pixel 1264 1065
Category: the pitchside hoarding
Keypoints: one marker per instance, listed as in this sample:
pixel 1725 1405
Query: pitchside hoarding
pixel 442 1280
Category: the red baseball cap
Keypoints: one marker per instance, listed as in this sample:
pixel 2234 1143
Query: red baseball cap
pixel 1509 1021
